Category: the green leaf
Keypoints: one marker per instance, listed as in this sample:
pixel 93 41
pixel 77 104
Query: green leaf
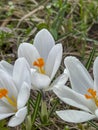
pixel 3 125
pixel 58 20
pixel 36 108
pixel 93 124
pixel 88 64
pixel 54 107
pixel 42 25
pixel 28 123
pixel 44 112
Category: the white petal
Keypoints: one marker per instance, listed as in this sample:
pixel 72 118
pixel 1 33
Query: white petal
pixel 75 104
pixel 53 61
pixel 75 99
pixel 3 104
pixel 40 81
pixel 7 82
pixel 21 72
pixel 75 116
pixel 95 71
pixel 96 112
pixel 79 77
pixel 44 41
pixel 59 81
pixel 29 52
pixel 6 67
pixel 23 95
pixel 5 109
pixel 3 116
pixel 18 118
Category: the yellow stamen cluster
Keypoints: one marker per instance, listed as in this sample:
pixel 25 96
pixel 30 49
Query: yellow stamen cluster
pixel 92 95
pixel 4 93
pixel 40 64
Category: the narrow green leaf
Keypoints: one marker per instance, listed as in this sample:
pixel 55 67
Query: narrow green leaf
pixel 35 112
pixel 44 112
pixel 58 20
pixel 28 123
pixel 59 17
pixel 53 108
pixel 93 124
pixel 88 64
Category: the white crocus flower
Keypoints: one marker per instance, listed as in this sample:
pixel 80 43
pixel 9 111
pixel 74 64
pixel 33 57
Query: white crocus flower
pixel 14 91
pixel 83 95
pixel 44 58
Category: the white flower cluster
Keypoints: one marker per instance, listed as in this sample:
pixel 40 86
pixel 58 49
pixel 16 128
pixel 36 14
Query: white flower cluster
pixel 35 69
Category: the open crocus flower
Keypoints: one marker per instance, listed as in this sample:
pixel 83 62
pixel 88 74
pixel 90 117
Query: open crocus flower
pixel 44 58
pixel 84 92
pixel 14 91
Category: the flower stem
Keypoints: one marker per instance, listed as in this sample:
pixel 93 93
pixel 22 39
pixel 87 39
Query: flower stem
pixel 44 111
pixel 43 95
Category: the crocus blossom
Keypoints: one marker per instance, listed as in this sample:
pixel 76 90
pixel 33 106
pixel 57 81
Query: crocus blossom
pixel 14 91
pixel 44 58
pixel 84 92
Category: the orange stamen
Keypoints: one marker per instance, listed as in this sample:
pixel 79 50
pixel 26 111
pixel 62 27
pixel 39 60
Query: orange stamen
pixel 3 92
pixel 92 92
pixel 40 64
pixel 88 96
pixel 92 95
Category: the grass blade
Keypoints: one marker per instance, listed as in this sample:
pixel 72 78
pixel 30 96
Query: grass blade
pixel 88 64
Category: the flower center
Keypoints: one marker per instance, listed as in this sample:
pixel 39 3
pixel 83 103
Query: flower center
pixel 92 95
pixel 4 93
pixel 40 64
